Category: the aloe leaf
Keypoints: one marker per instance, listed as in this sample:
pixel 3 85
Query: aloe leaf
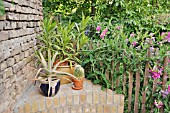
pixel 64 73
pixel 54 57
pixel 56 66
pixel 39 72
pixel 77 27
pixel 49 81
pixel 49 60
pixel 43 60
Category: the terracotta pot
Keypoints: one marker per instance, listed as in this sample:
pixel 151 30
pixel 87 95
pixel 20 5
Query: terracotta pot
pixel 78 84
pixel 64 67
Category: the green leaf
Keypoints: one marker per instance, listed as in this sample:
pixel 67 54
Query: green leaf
pixel 2 8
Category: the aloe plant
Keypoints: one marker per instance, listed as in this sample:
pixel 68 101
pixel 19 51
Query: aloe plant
pixel 49 69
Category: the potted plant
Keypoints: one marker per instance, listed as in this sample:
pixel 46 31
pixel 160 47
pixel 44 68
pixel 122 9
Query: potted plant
pixel 79 74
pixel 67 39
pixel 48 76
pixel 70 39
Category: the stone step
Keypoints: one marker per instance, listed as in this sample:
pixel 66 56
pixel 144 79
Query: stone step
pixel 91 99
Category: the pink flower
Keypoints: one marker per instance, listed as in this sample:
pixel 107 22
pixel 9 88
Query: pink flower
pixel 164 93
pixel 98 28
pixel 159 83
pixel 167 37
pixel 151 34
pixel 134 43
pixel 103 34
pixel 132 34
pixel 163 33
pixel 158 104
pixel 168 89
pixel 127 40
pixel 152 48
pixel 118 27
pixel 156 73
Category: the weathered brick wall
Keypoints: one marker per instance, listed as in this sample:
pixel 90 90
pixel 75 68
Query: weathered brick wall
pixel 18 30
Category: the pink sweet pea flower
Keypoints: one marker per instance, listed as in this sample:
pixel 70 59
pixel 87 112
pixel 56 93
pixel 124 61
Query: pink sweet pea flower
pixel 98 28
pixel 158 104
pixel 164 93
pixel 118 27
pixel 168 89
pixel 159 83
pixel 163 33
pixel 156 74
pixel 167 37
pixel 152 48
pixel 132 34
pixel 134 43
pixel 103 34
pixel 151 34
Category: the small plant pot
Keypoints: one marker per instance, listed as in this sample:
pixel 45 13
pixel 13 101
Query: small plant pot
pixel 54 88
pixel 77 84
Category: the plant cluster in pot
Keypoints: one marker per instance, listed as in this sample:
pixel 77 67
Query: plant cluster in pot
pixel 48 76
pixel 67 39
pixel 78 81
pixel 70 38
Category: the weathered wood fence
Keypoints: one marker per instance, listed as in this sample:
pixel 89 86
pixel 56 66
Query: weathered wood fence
pixel 136 78
pixel 131 80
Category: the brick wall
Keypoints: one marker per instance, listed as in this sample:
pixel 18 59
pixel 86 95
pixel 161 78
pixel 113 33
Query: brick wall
pixel 18 29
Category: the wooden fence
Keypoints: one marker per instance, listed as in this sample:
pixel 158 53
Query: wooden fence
pixel 136 78
pixel 131 80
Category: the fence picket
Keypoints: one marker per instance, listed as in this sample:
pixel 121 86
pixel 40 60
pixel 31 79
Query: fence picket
pixel 145 83
pixel 117 69
pixel 112 80
pixel 124 79
pixel 166 59
pixel 164 78
pixel 130 90
pixel 137 91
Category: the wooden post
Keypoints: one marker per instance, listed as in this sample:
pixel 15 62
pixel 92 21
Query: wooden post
pixel 124 78
pixel 117 69
pixel 145 83
pixel 137 91
pixel 92 8
pixel 112 64
pixel 153 90
pixel 164 80
pixel 130 91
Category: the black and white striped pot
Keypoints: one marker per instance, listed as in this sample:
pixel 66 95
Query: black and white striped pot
pixel 54 87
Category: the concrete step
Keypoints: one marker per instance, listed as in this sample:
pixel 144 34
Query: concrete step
pixel 91 99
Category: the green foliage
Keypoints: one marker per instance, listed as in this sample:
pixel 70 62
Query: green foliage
pixel 69 9
pixel 101 57
pixel 66 38
pixel 2 9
